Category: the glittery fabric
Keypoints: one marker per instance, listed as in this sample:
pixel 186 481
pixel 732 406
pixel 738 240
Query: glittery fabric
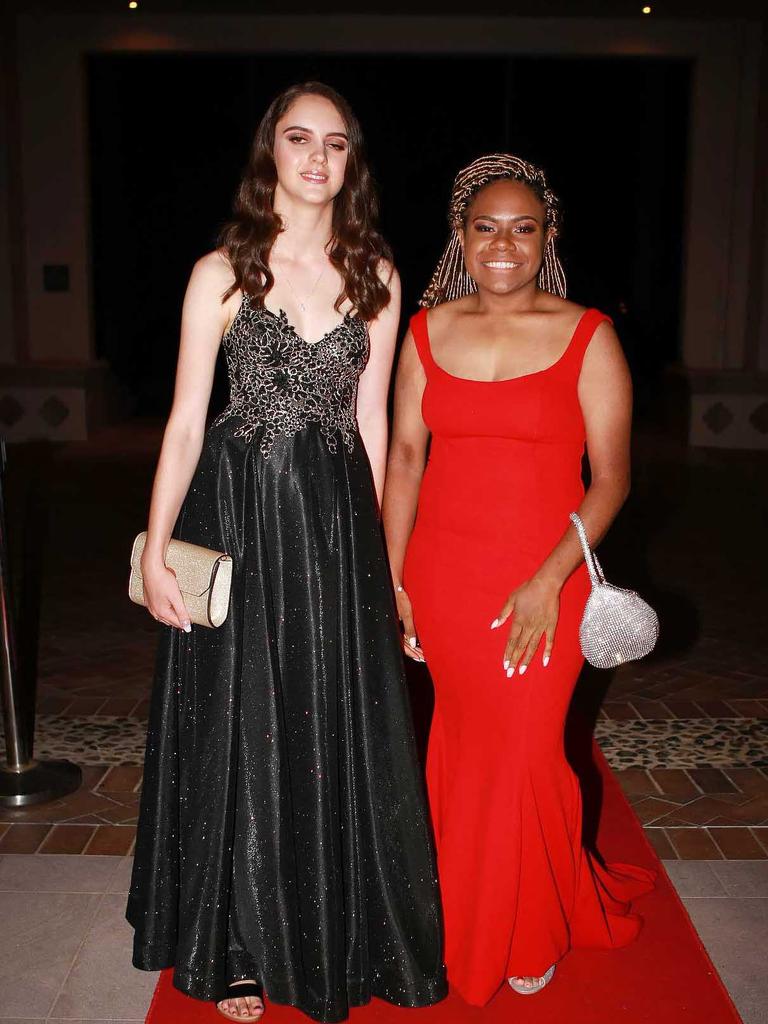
pixel 282 833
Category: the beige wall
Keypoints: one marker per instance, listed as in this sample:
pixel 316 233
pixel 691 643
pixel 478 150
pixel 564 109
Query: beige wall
pixel 720 211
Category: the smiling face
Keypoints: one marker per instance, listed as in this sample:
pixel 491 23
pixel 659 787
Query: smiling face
pixel 310 151
pixel 504 236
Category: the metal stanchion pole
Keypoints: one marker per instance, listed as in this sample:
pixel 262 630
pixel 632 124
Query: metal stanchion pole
pixel 23 780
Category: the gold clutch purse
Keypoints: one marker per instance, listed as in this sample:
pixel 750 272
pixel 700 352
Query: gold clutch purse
pixel 204 577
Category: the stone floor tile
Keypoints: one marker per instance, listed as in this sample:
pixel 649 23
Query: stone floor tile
pixel 67 839
pixel 74 805
pixel 694 878
pixel 23 838
pixel 749 812
pixel 701 812
pixel 636 781
pixel 119 705
pixel 83 706
pixel 735 932
pixel 121 880
pixel 619 711
pixel 40 937
pixel 120 779
pixel 102 982
pixel 112 840
pixel 750 781
pixel 761 835
pixel 693 844
pixel 737 843
pixel 743 877
pixel 674 783
pixel 711 780
pixel 683 708
pixel 748 708
pixel 715 708
pixel 651 808
pixel 660 842
pixel 55 873
pixel 92 775
pixel 650 709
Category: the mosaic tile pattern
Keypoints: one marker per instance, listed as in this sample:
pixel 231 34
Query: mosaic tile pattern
pixel 678 743
pixel 684 743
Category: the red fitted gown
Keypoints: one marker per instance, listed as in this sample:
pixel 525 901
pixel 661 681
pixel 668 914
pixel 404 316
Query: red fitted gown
pixel 504 472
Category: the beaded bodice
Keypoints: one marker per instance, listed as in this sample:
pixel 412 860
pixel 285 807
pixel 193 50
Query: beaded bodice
pixel 279 383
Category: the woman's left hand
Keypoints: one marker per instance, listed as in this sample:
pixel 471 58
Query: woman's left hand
pixel 535 607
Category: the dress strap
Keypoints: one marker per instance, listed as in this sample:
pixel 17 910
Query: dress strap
pixel 420 334
pixel 585 329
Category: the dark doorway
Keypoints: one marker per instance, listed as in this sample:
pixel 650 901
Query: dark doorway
pixel 170 135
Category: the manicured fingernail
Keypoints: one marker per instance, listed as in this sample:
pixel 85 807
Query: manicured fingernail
pixel 522 669
pixel 494 624
pixel 506 663
pixel 545 660
pixel 511 671
pixel 412 641
pixel 187 627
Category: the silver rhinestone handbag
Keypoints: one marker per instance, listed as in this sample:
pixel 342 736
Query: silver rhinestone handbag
pixel 617 625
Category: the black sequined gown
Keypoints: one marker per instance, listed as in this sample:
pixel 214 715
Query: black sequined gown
pixel 282 834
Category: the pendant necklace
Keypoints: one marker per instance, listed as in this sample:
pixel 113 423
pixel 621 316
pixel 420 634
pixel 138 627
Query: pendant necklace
pixel 303 305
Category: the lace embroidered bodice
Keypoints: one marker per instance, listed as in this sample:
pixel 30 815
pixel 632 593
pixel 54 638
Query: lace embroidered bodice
pixel 280 383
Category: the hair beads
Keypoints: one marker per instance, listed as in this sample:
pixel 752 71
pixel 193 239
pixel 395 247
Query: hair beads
pixel 450 279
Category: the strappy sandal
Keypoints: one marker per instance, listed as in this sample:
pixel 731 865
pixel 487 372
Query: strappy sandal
pixel 240 991
pixel 523 990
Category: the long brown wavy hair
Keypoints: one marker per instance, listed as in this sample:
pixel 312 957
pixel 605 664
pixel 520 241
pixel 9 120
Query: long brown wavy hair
pixel 356 247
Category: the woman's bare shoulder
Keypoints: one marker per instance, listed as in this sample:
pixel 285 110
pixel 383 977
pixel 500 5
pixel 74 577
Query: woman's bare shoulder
pixel 213 271
pixel 446 312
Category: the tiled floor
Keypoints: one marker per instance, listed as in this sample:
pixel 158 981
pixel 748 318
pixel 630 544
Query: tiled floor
pixel 65 948
pixel 685 729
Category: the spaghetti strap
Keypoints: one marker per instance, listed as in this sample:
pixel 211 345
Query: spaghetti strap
pixel 585 329
pixel 418 326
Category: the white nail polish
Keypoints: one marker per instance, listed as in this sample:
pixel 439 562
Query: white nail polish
pixel 506 663
pixel 412 641
pixel 522 669
pixel 494 624
pixel 545 660
pixel 510 671
pixel 187 627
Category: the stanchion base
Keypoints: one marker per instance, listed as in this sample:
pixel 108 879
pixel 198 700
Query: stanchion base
pixel 45 780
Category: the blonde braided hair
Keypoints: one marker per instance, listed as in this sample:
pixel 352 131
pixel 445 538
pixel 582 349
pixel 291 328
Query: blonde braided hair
pixel 450 279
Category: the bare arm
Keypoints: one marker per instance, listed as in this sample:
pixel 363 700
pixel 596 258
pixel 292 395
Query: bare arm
pixel 204 319
pixel 373 387
pixel 405 469
pixel 605 395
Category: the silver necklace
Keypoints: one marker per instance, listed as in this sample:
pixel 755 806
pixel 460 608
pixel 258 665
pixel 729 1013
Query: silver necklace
pixel 303 305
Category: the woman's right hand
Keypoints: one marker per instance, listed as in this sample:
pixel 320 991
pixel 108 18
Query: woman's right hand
pixel 405 614
pixel 162 596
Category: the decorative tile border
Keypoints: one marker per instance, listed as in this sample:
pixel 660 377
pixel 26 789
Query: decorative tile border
pixel 633 743
pixel 684 743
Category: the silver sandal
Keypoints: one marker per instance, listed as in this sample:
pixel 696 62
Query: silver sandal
pixel 521 990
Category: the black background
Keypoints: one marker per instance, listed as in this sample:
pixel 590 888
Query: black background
pixel 170 136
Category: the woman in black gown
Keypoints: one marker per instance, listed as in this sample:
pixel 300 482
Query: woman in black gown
pixel 282 837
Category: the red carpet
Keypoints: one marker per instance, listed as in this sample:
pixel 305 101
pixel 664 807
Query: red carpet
pixel 665 977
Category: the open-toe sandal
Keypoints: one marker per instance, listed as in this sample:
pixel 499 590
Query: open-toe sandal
pixel 235 991
pixel 523 990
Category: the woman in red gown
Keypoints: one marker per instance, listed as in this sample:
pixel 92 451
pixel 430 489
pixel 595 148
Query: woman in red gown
pixel 507 380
